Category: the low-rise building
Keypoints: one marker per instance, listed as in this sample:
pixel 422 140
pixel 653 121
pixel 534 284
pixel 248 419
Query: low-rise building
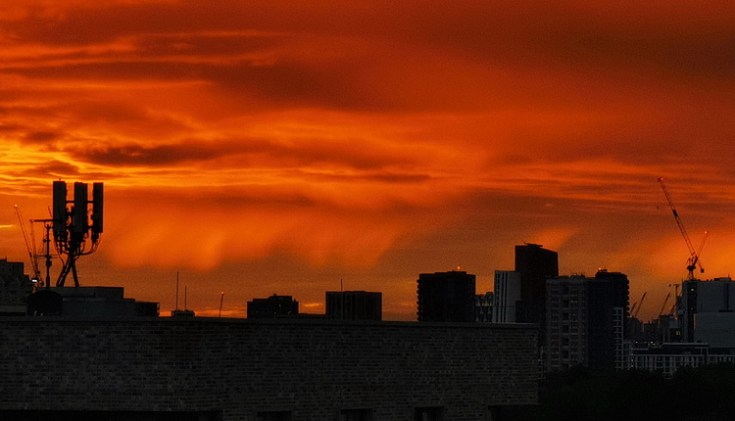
pixel 272 307
pixel 15 287
pixel 354 305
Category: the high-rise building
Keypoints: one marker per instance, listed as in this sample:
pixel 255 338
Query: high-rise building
pixel 708 311
pixel 446 297
pixel 273 307
pixel 354 305
pixel 507 292
pixel 567 329
pixel 608 315
pixel 585 321
pixel 535 265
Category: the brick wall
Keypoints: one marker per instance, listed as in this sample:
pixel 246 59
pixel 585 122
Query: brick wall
pixel 313 368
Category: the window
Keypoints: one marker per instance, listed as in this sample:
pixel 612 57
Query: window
pixel 356 415
pixel 274 416
pixel 433 413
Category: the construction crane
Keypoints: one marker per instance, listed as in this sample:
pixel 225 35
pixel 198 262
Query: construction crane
pixel 30 245
pixel 663 306
pixel 693 260
pixel 634 311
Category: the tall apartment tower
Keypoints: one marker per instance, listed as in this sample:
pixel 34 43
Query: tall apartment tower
pixel 567 329
pixel 608 319
pixel 585 321
pixel 446 297
pixel 535 265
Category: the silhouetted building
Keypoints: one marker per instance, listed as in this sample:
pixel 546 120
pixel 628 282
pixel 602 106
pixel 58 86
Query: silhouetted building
pixel 484 307
pixel 668 329
pixel 709 311
pixel 567 329
pixel 585 321
pixel 446 297
pixel 15 287
pixel 182 313
pixel 354 305
pixel 667 358
pixel 535 265
pixel 44 303
pixel 507 292
pixel 272 307
pixel 643 333
pixel 88 303
pixel 608 316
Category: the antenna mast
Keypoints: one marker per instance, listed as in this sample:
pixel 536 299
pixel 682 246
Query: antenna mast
pixel 73 234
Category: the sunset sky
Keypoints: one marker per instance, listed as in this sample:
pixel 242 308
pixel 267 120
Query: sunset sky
pixel 261 147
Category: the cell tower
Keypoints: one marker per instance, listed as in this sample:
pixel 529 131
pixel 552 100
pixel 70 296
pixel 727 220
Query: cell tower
pixel 74 235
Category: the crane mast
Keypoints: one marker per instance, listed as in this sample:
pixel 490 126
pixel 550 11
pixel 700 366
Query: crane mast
pixel 30 245
pixel 693 260
pixel 663 306
pixel 640 304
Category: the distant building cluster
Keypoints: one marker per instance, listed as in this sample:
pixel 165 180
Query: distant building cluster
pixel 587 321
pixel 699 329
pixel 581 320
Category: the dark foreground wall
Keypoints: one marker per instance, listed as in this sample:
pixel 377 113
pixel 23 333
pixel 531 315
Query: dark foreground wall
pixel 249 370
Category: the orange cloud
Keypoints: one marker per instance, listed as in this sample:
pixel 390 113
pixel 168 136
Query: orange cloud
pixel 378 140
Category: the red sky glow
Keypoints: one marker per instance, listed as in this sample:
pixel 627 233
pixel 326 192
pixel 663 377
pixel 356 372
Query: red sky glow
pixel 269 147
